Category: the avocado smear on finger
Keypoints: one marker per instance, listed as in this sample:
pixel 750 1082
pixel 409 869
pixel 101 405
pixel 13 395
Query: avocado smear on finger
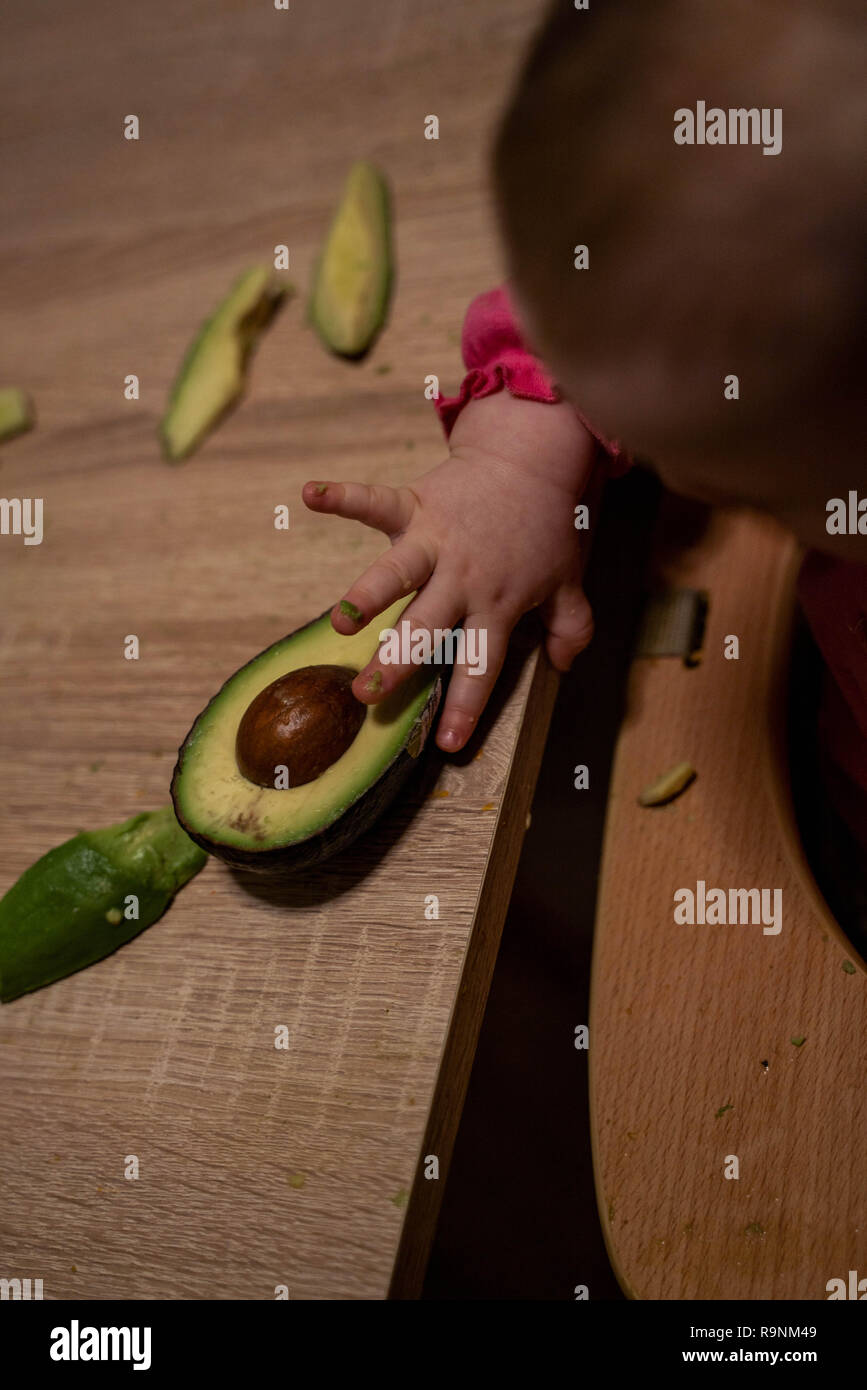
pixel 88 896
pixel 344 760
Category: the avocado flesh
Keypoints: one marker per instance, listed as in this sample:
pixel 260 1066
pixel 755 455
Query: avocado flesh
pixel 213 372
pixel 224 812
pixel 16 412
pixel 353 277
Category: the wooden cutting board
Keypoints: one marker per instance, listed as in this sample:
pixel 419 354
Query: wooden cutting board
pixel 727 1062
pixel 257 1167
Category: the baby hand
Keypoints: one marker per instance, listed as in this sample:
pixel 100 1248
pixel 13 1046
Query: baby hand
pixel 483 537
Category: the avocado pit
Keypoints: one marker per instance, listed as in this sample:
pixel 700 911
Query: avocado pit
pixel 303 721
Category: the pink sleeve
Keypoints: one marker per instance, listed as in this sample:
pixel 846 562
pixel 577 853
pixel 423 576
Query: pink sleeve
pixel 496 356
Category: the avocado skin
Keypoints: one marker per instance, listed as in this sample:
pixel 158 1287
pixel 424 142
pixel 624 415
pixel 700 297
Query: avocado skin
pixel 52 920
pixel 283 860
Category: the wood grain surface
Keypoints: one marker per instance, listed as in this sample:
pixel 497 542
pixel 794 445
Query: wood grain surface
pixel 691 1055
pixel 258 1167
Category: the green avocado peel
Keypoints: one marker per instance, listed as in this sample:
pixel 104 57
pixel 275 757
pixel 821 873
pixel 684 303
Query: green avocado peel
pixel 90 895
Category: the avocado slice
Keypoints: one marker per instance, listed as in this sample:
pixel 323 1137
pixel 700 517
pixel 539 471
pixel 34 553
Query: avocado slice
pixel 75 904
pixel 16 412
pixel 353 277
pixel 213 372
pixel 280 829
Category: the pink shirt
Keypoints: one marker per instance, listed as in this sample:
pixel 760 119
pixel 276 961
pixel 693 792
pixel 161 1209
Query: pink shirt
pixel 497 356
pixel 833 593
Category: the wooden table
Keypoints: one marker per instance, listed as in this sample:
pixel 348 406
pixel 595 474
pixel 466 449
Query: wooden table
pixel 257 1167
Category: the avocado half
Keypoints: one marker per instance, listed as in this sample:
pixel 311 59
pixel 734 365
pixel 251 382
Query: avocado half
pixel 282 830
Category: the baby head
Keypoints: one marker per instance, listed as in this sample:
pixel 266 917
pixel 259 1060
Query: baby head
pixel 710 158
